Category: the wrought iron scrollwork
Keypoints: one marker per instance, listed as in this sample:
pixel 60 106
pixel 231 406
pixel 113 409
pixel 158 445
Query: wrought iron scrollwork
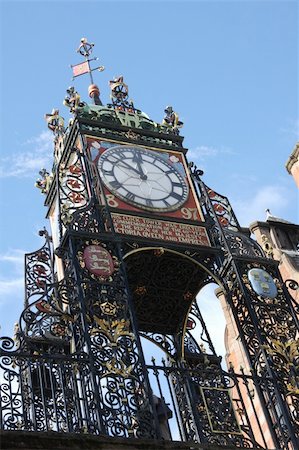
pixel 223 210
pixel 105 328
pixel 270 333
pixel 241 245
pixel 293 289
pixel 38 271
pixel 165 342
pixel 217 414
pixel 72 187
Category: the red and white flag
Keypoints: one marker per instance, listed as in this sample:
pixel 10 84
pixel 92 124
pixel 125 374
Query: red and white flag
pixel 80 69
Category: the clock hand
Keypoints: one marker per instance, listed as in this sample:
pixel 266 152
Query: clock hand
pixel 125 165
pixel 137 158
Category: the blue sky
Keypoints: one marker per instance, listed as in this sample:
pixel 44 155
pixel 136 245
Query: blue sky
pixel 229 68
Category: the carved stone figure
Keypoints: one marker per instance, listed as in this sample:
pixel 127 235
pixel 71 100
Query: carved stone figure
pixel 171 119
pixel 55 122
pixel 72 100
pixel 44 183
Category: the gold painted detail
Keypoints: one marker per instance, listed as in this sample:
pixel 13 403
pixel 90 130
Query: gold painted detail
pixel 114 329
pixel 288 350
pixel 131 135
pixel 188 295
pixel 45 181
pixel 288 354
pixel 266 246
pixel 140 290
pixel 108 308
pixel 220 421
pixel 66 215
pixel 119 368
pixel 159 252
pixel 160 229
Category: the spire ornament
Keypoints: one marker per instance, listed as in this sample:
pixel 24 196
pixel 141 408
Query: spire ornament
pixel 85 49
pixel 171 120
pixel 44 182
pixel 119 94
pixel 55 122
pixel 72 99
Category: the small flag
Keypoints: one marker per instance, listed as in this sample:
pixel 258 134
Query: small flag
pixel 80 69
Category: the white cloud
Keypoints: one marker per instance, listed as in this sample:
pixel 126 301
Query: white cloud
pixel 29 162
pixel 273 197
pixel 14 256
pixel 202 152
pixel 14 286
pixel 12 263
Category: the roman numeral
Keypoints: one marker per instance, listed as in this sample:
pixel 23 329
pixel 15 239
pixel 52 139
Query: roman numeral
pixel 176 196
pixel 115 184
pixel 130 196
pixel 115 158
pixel 148 202
pixel 176 184
pixel 108 172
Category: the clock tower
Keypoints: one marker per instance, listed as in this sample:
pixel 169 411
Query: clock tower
pixel 135 235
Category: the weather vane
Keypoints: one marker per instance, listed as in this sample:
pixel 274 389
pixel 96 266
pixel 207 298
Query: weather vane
pixel 85 49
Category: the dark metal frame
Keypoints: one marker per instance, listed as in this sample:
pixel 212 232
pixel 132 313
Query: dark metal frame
pixel 77 364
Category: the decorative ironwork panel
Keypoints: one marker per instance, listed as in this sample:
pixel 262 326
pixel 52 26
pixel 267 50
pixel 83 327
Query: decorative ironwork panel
pixel 241 245
pixel 73 190
pixel 221 419
pixel 38 272
pixel 12 413
pixel 206 403
pixel 104 332
pixel 223 210
pixel 269 330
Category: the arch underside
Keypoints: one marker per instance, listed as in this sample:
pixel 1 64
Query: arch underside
pixel 164 283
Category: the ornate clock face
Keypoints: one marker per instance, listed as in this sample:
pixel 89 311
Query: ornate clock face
pixel 143 178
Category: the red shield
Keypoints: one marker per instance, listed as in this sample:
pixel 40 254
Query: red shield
pixel 190 325
pixel 98 261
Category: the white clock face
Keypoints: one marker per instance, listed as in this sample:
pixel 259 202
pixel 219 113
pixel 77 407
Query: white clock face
pixel 143 178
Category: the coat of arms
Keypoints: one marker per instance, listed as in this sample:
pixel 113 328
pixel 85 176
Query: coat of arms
pixel 262 283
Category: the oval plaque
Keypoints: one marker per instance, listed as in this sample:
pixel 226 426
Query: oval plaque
pixel 98 261
pixel 262 283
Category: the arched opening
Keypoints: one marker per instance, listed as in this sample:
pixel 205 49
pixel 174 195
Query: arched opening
pixel 211 308
pixel 181 322
pixel 164 284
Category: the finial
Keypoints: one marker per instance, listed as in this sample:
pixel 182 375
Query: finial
pixel 72 100
pixel 269 215
pixel 44 182
pixel 119 94
pixel 55 122
pixel 171 120
pixel 85 49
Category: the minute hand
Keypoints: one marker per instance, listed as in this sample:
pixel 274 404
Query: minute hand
pixel 125 165
pixel 138 160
